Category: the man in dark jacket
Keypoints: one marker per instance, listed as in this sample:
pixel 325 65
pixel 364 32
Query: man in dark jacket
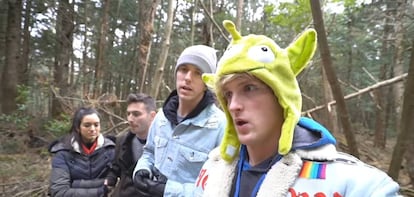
pixel 129 145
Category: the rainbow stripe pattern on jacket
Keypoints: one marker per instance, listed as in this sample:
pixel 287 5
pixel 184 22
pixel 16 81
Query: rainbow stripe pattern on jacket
pixel 313 170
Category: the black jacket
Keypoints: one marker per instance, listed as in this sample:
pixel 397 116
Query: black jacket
pixel 76 174
pixel 123 166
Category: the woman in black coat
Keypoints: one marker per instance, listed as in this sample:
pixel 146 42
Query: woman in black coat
pixel 82 158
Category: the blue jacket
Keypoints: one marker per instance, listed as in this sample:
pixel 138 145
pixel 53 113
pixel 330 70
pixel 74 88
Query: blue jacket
pixel 76 174
pixel 312 168
pixel 179 150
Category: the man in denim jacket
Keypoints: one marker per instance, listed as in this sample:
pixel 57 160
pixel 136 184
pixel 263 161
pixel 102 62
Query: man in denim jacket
pixel 182 134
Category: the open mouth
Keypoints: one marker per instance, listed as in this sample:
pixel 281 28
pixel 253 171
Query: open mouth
pixel 240 122
pixel 186 88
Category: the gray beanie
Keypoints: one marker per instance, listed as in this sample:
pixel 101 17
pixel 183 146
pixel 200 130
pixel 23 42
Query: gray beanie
pixel 201 56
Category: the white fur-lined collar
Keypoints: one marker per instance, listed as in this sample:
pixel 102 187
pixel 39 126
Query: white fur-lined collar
pixel 220 178
pixel 325 152
pixel 283 174
pixel 77 148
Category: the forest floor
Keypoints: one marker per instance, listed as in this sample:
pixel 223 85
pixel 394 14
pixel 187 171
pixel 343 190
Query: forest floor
pixel 25 171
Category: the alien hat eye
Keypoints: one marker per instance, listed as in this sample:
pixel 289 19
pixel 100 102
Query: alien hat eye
pixel 261 53
pixel 231 51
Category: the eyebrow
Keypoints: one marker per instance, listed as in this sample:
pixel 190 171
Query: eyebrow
pixel 242 81
pixel 189 65
pixel 91 121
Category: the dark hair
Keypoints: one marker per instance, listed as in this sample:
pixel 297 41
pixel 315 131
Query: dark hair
pixel 78 116
pixel 77 119
pixel 148 101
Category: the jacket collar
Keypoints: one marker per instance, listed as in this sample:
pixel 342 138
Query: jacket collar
pixel 171 106
pixel 283 174
pixel 76 146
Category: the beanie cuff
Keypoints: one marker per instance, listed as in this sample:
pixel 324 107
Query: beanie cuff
pixel 195 60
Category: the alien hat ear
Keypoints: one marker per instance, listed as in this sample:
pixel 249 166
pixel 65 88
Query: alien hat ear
pixel 299 53
pixel 302 50
pixel 209 80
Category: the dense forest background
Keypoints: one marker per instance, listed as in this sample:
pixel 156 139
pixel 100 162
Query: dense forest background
pixel 58 55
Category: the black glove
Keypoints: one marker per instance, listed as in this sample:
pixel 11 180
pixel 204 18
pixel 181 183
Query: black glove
pixel 150 187
pixel 141 184
pixel 156 185
pixel 139 178
pixel 158 176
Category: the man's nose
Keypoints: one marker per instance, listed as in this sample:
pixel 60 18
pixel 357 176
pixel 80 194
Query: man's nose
pixel 189 75
pixel 234 103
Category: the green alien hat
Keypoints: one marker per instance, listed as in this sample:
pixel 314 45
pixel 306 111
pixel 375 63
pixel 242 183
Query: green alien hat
pixel 277 67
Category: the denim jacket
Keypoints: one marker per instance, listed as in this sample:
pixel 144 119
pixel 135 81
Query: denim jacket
pixel 179 151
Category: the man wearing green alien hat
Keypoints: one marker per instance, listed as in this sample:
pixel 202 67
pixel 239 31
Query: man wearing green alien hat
pixel 267 148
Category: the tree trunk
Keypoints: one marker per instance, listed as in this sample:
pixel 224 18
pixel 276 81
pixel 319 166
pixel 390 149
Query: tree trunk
pixel 3 28
pixel 193 20
pixel 398 68
pixel 405 139
pixel 164 52
pixel 210 26
pixel 331 75
pixel 85 64
pixel 380 112
pixel 207 25
pixel 24 66
pixel 350 62
pixel 10 72
pixel 329 115
pixel 63 53
pixel 239 14
pixel 146 28
pixel 379 139
pixel 121 87
pixel 128 87
pixel 100 52
pixel 407 109
pixel 108 74
pixel 408 155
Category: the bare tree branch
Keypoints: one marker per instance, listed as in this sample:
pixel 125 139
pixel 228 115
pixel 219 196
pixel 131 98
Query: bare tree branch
pixel 213 21
pixel 359 92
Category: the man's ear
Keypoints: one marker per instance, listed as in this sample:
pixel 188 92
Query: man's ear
pixel 152 114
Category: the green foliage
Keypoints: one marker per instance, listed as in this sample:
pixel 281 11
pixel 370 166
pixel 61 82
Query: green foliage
pixel 19 119
pixel 20 122
pixel 23 93
pixel 59 127
pixel 295 16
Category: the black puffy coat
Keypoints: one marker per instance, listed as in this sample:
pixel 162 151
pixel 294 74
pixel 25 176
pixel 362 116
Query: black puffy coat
pixel 77 174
